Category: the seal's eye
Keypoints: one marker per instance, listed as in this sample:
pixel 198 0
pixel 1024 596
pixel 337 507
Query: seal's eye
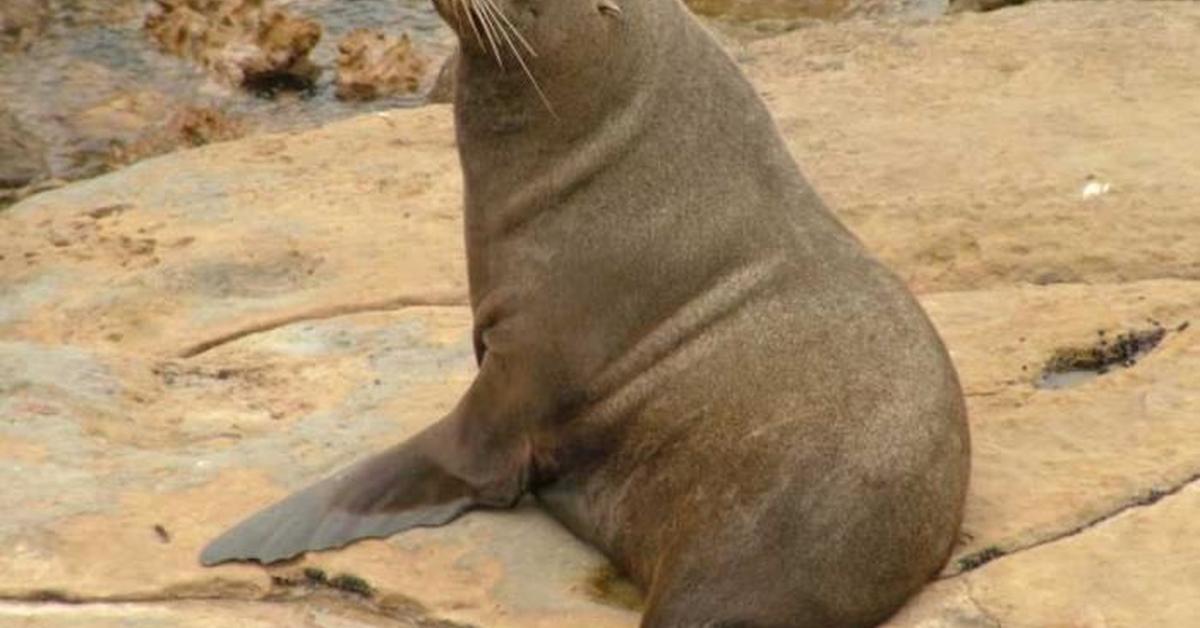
pixel 608 7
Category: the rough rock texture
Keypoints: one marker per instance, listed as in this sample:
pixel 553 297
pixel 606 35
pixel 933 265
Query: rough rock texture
pixel 793 10
pixel 371 64
pixel 982 5
pixel 182 126
pixel 244 42
pixel 959 149
pixel 190 338
pixel 21 21
pixel 22 154
pixel 23 166
pixel 128 127
pixel 442 91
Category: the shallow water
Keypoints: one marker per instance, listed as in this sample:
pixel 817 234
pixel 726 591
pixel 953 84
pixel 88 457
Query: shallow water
pixel 1074 366
pixel 93 51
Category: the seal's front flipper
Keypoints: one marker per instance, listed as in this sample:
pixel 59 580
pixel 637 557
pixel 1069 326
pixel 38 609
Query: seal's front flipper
pixel 416 483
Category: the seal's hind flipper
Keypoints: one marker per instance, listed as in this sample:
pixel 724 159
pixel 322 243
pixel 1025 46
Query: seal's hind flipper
pixel 404 487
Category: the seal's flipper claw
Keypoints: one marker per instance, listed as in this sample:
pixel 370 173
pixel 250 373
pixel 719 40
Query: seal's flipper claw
pixel 395 490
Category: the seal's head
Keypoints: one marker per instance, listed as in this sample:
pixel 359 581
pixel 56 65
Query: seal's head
pixel 516 30
pixel 560 52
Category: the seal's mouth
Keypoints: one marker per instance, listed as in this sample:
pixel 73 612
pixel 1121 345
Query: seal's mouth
pixel 485 25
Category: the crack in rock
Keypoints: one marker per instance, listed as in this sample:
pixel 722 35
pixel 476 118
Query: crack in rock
pixel 390 607
pixel 975 560
pixel 448 299
pixel 987 616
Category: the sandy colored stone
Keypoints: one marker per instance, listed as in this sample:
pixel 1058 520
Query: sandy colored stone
pixel 185 126
pixel 372 64
pixel 190 338
pixel 958 149
pixel 333 613
pixel 21 22
pixel 22 154
pixel 252 43
pixel 119 130
pixel 1136 569
pixel 155 457
pixel 442 90
pixel 177 274
pixel 1047 461
pixel 791 10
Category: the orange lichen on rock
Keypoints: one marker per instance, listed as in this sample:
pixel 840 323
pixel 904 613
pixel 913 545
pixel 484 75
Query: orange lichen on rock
pixel 243 42
pixel 372 64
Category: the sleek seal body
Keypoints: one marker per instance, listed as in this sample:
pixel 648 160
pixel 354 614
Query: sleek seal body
pixel 682 353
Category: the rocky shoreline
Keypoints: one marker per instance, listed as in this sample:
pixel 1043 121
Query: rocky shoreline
pixel 101 85
pixel 196 334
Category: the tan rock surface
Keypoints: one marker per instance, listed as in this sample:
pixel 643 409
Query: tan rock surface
pixel 190 338
pixel 181 276
pixel 1137 569
pixel 21 21
pixel 1046 462
pixel 786 11
pixel 958 149
pixel 22 154
pixel 128 127
pixel 331 613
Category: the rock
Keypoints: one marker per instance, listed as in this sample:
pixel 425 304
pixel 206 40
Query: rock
pixel 128 127
pixel 21 22
pixel 10 196
pixel 22 154
pixel 187 126
pixel 197 125
pixel 243 42
pixel 205 614
pixel 402 186
pixel 794 11
pixel 1130 570
pixel 191 337
pixel 1004 139
pixel 982 5
pixel 1048 462
pixel 101 132
pixel 371 64
pixel 442 91
pixel 77 13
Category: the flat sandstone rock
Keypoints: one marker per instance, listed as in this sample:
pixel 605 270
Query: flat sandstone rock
pixel 192 337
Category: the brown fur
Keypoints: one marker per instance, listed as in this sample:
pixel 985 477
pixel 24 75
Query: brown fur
pixel 763 428
pixel 682 353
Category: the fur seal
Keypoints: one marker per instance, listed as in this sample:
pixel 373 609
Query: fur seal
pixel 682 353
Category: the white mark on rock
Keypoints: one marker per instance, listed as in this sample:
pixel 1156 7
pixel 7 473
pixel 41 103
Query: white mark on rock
pixel 1093 187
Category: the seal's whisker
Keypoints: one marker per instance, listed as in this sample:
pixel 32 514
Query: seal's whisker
pixel 465 6
pixel 503 26
pixel 488 21
pixel 512 29
pixel 517 53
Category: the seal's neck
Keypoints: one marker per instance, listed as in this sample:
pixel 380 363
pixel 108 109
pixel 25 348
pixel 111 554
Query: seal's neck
pixel 530 144
pixel 674 98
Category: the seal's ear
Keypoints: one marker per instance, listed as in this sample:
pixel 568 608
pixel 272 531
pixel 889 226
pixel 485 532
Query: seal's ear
pixel 608 7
